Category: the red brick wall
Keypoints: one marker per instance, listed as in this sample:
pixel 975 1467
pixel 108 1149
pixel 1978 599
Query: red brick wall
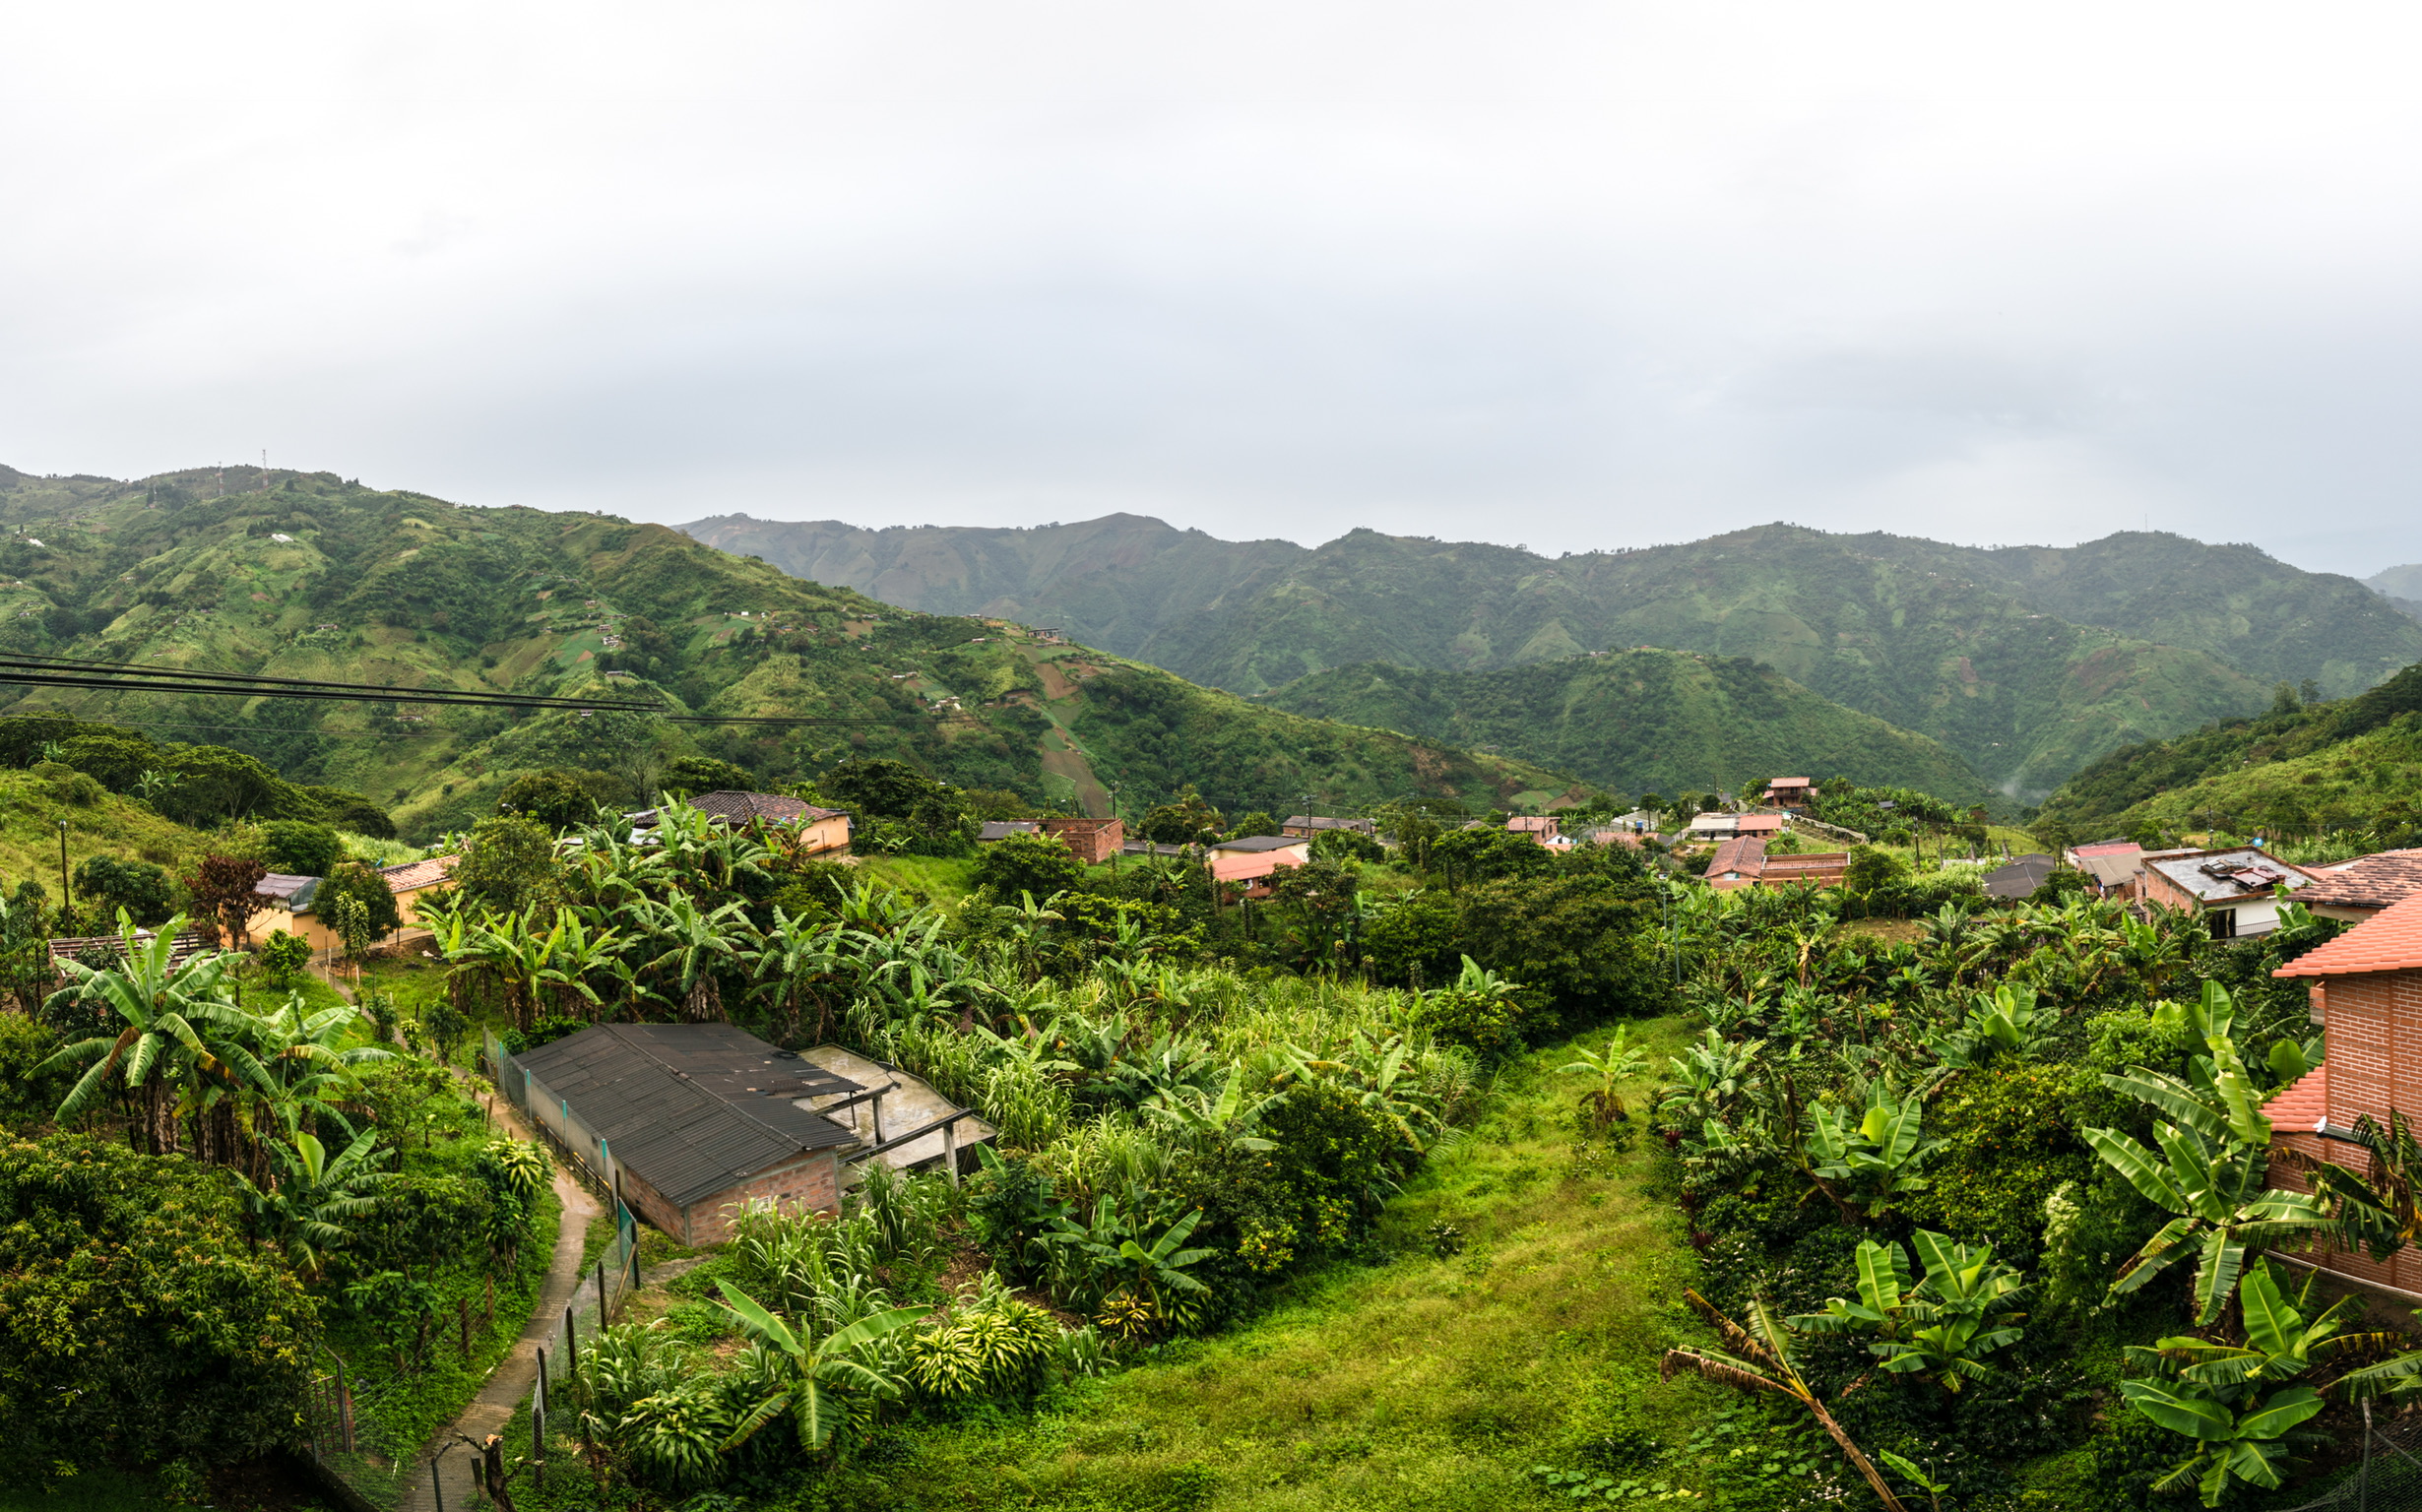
pixel 1093 840
pixel 2375 1037
pixel 813 1181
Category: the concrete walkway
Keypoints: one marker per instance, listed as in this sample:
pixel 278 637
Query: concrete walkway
pixel 513 1378
pixel 518 1371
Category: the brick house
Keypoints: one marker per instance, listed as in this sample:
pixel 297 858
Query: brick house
pixel 2367 995
pixel 1743 861
pixel 1092 841
pixel 2235 892
pixel 1541 828
pixel 693 1119
pixel 1793 793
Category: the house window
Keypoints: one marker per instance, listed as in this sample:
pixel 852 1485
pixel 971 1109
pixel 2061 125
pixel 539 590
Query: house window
pixel 2224 923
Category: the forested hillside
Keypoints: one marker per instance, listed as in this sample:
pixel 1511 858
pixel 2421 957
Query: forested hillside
pixel 2298 768
pixel 1641 720
pixel 2028 661
pixel 310 576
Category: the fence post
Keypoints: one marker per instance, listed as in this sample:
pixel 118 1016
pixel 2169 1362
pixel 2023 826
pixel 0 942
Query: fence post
pixel 950 1149
pixel 571 1339
pixel 2363 1476
pixel 537 1400
pixel 437 1479
pixel 601 1294
pixel 345 1410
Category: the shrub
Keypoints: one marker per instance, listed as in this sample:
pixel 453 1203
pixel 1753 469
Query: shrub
pixel 2004 1144
pixel 1029 863
pixel 142 888
pixel 297 847
pixel 285 957
pixel 134 1318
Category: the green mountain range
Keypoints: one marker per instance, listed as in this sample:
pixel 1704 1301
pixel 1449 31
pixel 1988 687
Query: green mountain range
pixel 310 576
pixel 1641 722
pixel 2028 661
pixel 2295 768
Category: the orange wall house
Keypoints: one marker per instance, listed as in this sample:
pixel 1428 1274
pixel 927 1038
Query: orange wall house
pixel 2367 995
pixel 296 911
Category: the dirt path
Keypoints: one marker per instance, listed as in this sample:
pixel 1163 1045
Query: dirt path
pixel 513 1377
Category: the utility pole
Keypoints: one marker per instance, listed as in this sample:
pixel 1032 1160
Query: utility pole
pixel 63 900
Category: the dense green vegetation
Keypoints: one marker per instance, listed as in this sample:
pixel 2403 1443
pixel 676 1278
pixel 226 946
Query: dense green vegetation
pixel 308 576
pixel 215 1191
pixel 2028 661
pixel 1640 721
pixel 2303 769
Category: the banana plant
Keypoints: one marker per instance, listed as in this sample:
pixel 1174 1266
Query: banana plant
pixel 2003 1021
pixel 827 1385
pixel 1757 1356
pixel 1704 1079
pixel 1943 1326
pixel 1607 1069
pixel 303 1211
pixel 1877 1159
pixel 2380 1208
pixel 2211 1169
pixel 2212 1390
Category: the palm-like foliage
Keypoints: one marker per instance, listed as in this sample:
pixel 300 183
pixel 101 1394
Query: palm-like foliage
pixel 1943 1326
pixel 180 1034
pixel 829 1386
pixel 1757 1357
pixel 2210 1171
pixel 1608 1068
pixel 1873 1163
pixel 2212 1390
pixel 304 1212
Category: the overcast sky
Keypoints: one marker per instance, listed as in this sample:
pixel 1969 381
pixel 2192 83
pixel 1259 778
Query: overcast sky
pixel 1573 276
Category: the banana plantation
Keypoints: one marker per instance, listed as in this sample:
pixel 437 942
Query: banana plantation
pixel 1968 1210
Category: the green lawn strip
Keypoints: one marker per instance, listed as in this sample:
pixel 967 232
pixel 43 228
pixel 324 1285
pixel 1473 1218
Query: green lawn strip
pixel 944 879
pixel 1430 1381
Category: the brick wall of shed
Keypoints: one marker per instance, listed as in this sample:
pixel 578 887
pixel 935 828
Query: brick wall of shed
pixel 651 1204
pixel 813 1181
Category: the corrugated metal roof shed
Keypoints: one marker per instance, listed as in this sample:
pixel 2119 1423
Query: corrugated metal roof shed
pixel 693 1109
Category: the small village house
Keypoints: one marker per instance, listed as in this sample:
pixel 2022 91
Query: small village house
pixel 1309 826
pixel 295 905
pixel 1743 861
pixel 2356 890
pixel 1796 793
pixel 1251 858
pixel 2236 892
pixel 1092 840
pixel 2365 990
pixel 2020 877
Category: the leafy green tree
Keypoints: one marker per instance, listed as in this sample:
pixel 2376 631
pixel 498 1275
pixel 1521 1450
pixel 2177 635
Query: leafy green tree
pixel 507 864
pixel 142 888
pixel 352 879
pixel 1585 939
pixel 695 775
pixel 1872 870
pixel 1347 845
pixel 1258 822
pixel 1479 1011
pixel 135 1319
pixel 559 797
pixel 1486 854
pixel 1415 940
pixel 1941 1327
pixel 877 787
pixel 1184 820
pixel 300 848
pixel 1034 864
pixel 285 957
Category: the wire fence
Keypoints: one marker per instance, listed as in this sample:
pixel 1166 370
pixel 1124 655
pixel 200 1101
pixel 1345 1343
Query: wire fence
pixel 587 1151
pixel 2388 1477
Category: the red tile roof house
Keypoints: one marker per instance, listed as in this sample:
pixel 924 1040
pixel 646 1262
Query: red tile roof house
pixel 2367 994
pixel 1253 859
pixel 2237 892
pixel 2358 889
pixel 1743 862
pixel 1792 793
pixel 1541 828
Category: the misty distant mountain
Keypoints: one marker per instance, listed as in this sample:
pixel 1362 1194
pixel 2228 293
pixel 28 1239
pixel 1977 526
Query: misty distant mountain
pixel 2029 662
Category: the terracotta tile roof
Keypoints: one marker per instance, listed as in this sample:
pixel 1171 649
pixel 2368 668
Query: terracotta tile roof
pixel 2108 848
pixel 2390 940
pixel 1757 824
pixel 1745 856
pixel 2301 1106
pixel 410 876
pixel 2368 881
pixel 1787 781
pixel 1532 824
